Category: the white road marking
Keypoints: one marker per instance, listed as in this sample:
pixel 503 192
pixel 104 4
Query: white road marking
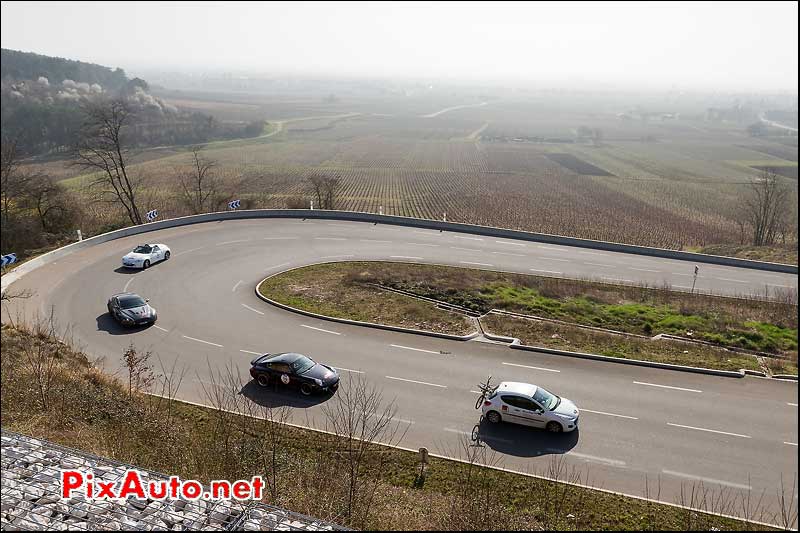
pixel 415 349
pixel 532 367
pixel 329 239
pixel 374 240
pixel 185 251
pixel 555 259
pixel 201 340
pixel 784 286
pixel 709 430
pixel 547 271
pixel 335 256
pixel 620 279
pixel 278 238
pixel 482 437
pixel 424 232
pixel 348 370
pixel 590 253
pixel 790 443
pixel 645 270
pixel 253 353
pixel 237 285
pixel 162 329
pixel 476 392
pixel 231 242
pixel 468 238
pixel 508 253
pixel 394 419
pixel 465 249
pixel 422 244
pixel 478 264
pixel 666 386
pixel 418 382
pixel 511 243
pixel 320 329
pixel 707 479
pixel 681 274
pixel 252 309
pixel 599 265
pixel 792 404
pixel 277 266
pixel 339 225
pixel 607 414
pixel 403 257
pixel 604 460
pixel 125 289
pixel 734 280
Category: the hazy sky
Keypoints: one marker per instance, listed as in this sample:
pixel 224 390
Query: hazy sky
pixel 721 45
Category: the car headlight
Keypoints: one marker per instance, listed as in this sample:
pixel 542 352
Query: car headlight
pixel 568 417
pixel 318 382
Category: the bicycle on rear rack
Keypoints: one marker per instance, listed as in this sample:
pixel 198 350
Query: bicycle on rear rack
pixel 486 391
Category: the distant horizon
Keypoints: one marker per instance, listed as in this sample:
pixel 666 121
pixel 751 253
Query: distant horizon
pixel 737 47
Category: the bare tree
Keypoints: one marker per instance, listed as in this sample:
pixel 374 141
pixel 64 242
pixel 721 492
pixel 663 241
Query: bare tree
pixel 199 190
pixel 140 371
pixel 101 149
pixel 49 200
pixel 40 357
pixel 324 189
pixel 765 208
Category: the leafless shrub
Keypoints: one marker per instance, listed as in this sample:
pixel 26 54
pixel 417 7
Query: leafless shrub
pixel 141 374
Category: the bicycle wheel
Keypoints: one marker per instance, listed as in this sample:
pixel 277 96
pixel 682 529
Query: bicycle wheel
pixel 476 433
pixel 480 401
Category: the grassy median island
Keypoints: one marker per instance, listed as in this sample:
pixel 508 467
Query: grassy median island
pixel 359 290
pixel 306 471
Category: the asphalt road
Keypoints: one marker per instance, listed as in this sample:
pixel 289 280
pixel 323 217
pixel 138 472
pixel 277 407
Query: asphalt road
pixel 669 428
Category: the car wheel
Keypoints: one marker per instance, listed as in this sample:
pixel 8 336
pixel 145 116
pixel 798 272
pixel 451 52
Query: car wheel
pixel 145 264
pixel 166 256
pixel 263 380
pixel 494 417
pixel 554 427
pixel 306 389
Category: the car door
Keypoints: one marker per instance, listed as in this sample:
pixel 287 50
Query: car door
pixel 534 413
pixel 115 307
pixel 156 254
pixel 282 373
pixel 514 409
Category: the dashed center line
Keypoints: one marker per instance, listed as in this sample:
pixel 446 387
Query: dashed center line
pixel 546 271
pixel 709 430
pixel 374 240
pixel 645 270
pixel 204 342
pixel 320 329
pixel 511 243
pixel 414 349
pixel 555 259
pixel 252 309
pixel 594 458
pixel 589 253
pixel 734 280
pixel 472 263
pixel 231 242
pixel 790 443
pixel 404 257
pixel 417 382
pixel 509 254
pixel 237 285
pixel 125 289
pixel 422 244
pixel 599 265
pixel 468 238
pixel 349 370
pixel 162 329
pixel 792 404
pixel 329 239
pixel 188 251
pixel 608 414
pixel 532 367
pixel 466 249
pixel 666 386
pixel 278 238
pixel 707 479
pixel 250 352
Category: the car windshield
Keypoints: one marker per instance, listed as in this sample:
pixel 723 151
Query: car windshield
pixel 129 302
pixel 548 400
pixel 302 364
pixel 143 249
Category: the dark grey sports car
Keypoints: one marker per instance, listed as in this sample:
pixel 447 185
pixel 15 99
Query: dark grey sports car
pixel 130 309
pixel 294 370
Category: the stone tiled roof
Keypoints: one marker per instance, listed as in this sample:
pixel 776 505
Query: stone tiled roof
pixel 30 498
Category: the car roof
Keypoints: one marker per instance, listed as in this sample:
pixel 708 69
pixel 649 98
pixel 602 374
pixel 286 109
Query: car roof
pixel 514 387
pixel 287 357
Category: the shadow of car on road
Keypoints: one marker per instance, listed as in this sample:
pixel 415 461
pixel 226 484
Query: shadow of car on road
pixel 106 322
pixel 525 441
pixel 277 396
pixel 126 270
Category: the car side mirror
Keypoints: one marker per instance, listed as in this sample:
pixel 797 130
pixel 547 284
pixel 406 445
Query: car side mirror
pixel 146 300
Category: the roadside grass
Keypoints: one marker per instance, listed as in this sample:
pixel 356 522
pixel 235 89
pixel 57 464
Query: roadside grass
pixel 765 326
pixel 574 339
pixel 771 254
pixel 320 289
pixel 87 409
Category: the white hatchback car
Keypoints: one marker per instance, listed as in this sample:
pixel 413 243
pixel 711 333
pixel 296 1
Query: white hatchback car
pixel 145 255
pixel 529 405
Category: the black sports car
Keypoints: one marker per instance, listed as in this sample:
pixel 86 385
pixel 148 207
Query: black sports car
pixel 294 370
pixel 131 309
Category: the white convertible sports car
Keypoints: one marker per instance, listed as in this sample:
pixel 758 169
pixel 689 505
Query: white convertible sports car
pixel 145 255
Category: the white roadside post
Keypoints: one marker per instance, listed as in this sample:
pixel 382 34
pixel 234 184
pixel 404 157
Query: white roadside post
pixel 312 205
pixel 80 236
pixel 444 218
pixel 380 210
